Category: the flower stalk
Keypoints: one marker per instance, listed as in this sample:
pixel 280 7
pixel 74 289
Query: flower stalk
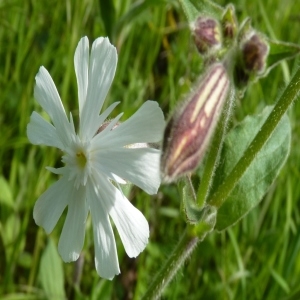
pixel 183 250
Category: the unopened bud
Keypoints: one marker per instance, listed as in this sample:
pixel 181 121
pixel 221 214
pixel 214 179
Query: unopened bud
pixel 229 23
pixel 255 52
pixel 105 124
pixel 252 59
pixel 189 130
pixel 207 34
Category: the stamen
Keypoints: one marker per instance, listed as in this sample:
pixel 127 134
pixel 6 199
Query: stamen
pixel 81 159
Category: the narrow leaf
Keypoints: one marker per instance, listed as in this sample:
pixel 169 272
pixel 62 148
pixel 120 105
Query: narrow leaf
pixel 260 174
pixel 51 273
pixel 135 11
pixel 6 196
pixel 280 51
pixel 107 11
pixel 190 10
pixel 194 8
pixel 192 211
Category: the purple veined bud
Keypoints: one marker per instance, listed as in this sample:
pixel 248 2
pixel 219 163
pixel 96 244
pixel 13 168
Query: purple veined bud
pixel 105 124
pixel 188 132
pixel 207 34
pixel 252 58
pixel 255 52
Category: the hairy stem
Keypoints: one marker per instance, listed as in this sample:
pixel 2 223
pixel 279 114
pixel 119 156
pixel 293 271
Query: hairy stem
pixel 287 98
pixel 182 251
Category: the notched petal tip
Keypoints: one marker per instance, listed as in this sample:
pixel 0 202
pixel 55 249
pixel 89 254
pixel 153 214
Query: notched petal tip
pixel 131 224
pixel 84 39
pixel 41 132
pixel 106 272
pixel 102 67
pixel 70 257
pixel 51 204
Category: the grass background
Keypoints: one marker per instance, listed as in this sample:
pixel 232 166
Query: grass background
pixel 256 259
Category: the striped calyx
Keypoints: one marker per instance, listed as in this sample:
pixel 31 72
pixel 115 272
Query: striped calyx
pixel 189 130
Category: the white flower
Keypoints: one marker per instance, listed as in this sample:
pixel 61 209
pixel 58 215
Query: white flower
pixel 94 161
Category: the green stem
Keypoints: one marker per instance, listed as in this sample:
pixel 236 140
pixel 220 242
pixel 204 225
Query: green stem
pixel 289 95
pixel 183 250
pixel 214 152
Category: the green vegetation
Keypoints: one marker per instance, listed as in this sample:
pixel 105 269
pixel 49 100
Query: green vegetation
pixel 258 258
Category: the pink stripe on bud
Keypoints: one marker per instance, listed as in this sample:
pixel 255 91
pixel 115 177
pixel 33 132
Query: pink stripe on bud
pixel 188 132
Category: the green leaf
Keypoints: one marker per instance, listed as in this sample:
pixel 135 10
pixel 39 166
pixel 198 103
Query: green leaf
pixel 255 182
pixel 195 8
pixel 51 273
pixel 203 217
pixel 6 196
pixel 126 189
pixel 192 211
pixel 207 222
pixel 190 10
pixel 135 11
pixel 10 233
pixel 245 29
pixel 108 15
pixel 280 51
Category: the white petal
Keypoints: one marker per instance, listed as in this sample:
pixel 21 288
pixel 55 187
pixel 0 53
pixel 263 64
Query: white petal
pixel 58 171
pixel 47 96
pixel 132 226
pixel 118 179
pixel 103 62
pixel 145 126
pixel 106 259
pixel 72 236
pixel 105 114
pixel 81 63
pixel 41 132
pixel 51 204
pixel 139 166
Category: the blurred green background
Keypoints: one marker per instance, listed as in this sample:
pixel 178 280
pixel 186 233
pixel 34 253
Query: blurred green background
pixel 259 258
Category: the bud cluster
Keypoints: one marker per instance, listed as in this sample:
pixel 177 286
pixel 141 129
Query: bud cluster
pixel 243 54
pixel 210 35
pixel 240 46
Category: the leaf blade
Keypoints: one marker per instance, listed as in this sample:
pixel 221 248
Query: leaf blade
pixel 261 173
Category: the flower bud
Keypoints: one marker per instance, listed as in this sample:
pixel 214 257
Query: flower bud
pixel 255 52
pixel 207 34
pixel 189 130
pixel 229 23
pixel 252 59
pixel 105 124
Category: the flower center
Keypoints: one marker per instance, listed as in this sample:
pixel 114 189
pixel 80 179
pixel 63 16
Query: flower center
pixel 81 159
